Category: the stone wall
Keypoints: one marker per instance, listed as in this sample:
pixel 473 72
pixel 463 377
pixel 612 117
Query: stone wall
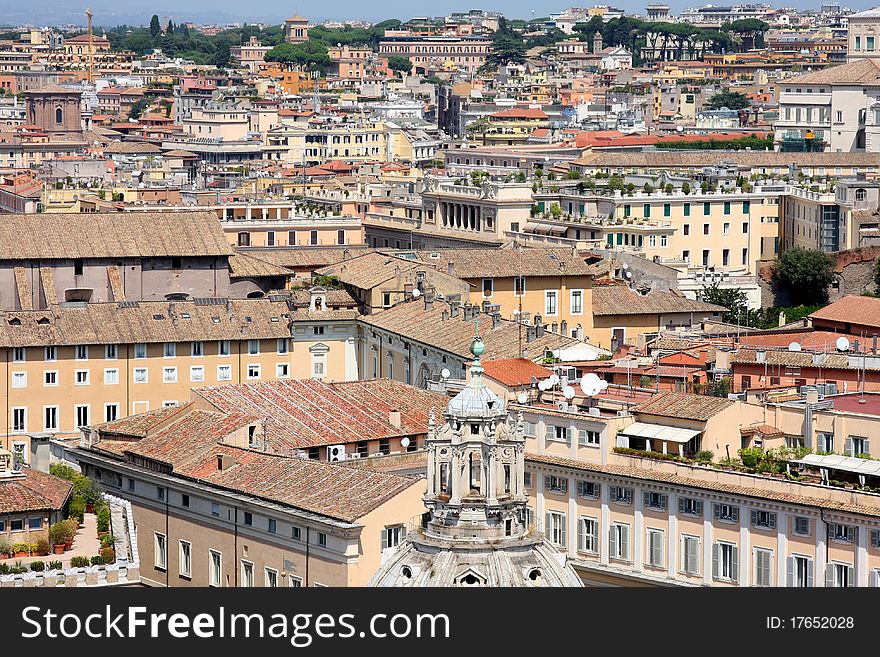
pixel 854 271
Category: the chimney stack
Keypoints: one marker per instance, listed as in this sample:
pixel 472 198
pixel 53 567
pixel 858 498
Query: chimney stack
pixel 394 419
pixel 496 320
pixel 450 268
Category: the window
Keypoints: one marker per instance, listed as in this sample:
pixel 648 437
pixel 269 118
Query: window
pixel 555 484
pixel 667 210
pixel 184 500
pixel 856 445
pixel 197 373
pixel 223 348
pixel 161 548
pixel 215 509
pixel 725 229
pixel 839 575
pixel 35 523
pixel 131 485
pixel 800 572
pixel 706 229
pixel 111 412
pixel 317 330
pixel 81 377
pixel 273 526
pixel 322 539
pixel 646 210
pixel 586 437
pixel 527 479
pixel 253 371
pixel 169 350
pixel 215 567
pixel 745 256
pixel 746 209
pixel 655 501
pixel 282 370
pixel 555 529
pixel 763 519
pixel 82 415
pixel 50 418
pixel 140 374
pixel 825 442
pixel 50 354
pixel 296 533
pixel 687 210
pixel 588 535
pixel 253 347
pixel 556 433
pixel 197 349
pixel 81 352
pixel 283 346
pixel 19 379
pixel 875 538
pixel 550 302
pixel 686 229
pixel 248 518
pixel 726 513
pixel 224 373
pixel 313 237
pixel 707 209
pixel 244 239
pixel 842 533
pixel 618 542
pixel 690 506
pixel 185 559
pixel 664 240
pixel 519 286
pixel 110 352
pixel 802 526
pixel 247 574
pixel 16 525
pixel 654 548
pixel 488 287
pixel 271 578
pixel 270 238
pixel 763 567
pixel 140 351
pixel 621 495
pixel 724 561
pixel 19 419
pixel 869 45
pixel 392 536
pixel 291 238
pixel 340 237
pixel 111 377
pixel 690 555
pixel 577 302
pixel 169 375
pixel 588 489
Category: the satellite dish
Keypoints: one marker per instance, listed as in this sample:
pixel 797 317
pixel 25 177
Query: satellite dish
pixel 404 443
pixel 629 274
pixel 794 346
pixel 592 384
pixel 625 265
pixel 568 392
pixel 416 293
pixel 522 398
pixel 445 373
pixel 842 344
pixel 554 379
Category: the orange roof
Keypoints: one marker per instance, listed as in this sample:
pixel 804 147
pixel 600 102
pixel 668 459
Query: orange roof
pixel 514 371
pixel 861 311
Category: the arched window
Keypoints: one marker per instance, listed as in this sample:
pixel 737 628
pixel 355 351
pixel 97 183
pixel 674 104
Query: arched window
pixel 861 194
pixel 59 115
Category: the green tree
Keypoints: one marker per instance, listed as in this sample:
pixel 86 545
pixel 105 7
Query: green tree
pixel 734 299
pixel 137 108
pixel 139 43
pixel 729 99
pixel 170 29
pixel 508 46
pixel 155 27
pixel 804 274
pixel 398 64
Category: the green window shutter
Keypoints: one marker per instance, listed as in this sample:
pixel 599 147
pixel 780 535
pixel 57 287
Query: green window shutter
pixel 789 572
pixel 624 542
pixel 850 576
pixel 384 538
pixel 582 535
pixel 734 564
pixel 849 446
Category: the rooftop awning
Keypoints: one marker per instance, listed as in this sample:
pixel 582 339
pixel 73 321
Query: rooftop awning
pixel 842 463
pixel 659 432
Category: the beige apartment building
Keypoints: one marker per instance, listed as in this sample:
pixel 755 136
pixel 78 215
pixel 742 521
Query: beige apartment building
pixel 217 122
pixel 77 365
pixel 214 508
pixel 635 521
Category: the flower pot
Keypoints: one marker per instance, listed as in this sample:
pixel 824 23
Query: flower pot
pixel 21 554
pixel 90 508
pixel 59 548
pixel 68 545
pixel 102 533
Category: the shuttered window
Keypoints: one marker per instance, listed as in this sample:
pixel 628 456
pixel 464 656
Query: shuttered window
pixel 763 567
pixel 763 519
pixel 690 555
pixel 655 547
pixel 618 542
pixel 725 562
pixel 588 535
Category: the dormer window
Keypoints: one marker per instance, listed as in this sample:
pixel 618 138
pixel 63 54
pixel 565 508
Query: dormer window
pixel 475 429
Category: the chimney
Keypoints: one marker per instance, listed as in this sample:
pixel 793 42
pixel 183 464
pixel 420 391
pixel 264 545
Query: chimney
pixel 554 328
pixel 496 320
pixel 537 320
pixel 444 315
pixel 530 333
pixel 429 301
pixel 346 254
pixel 485 305
pixel 225 461
pixel 453 308
pixel 539 331
pixel 450 268
pixel 394 419
pixel 812 395
pixel 579 333
pixel 781 318
pixel 563 328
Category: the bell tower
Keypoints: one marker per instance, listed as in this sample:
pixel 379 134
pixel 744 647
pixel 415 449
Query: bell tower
pixel 476 489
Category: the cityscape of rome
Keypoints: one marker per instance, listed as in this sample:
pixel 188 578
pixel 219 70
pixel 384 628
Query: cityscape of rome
pixel 544 297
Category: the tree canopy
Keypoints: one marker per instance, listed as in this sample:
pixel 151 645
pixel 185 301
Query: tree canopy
pixel 397 63
pixel 804 275
pixel 729 99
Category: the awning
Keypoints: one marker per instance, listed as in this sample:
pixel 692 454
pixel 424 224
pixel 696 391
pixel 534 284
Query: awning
pixel 659 432
pixel 558 230
pixel 842 463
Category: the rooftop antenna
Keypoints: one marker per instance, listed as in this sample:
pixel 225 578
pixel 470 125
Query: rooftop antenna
pixel 89 15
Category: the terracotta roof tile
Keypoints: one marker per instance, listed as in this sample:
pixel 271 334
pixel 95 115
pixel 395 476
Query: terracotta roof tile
pixel 621 300
pixel 864 311
pixel 514 371
pixel 36 491
pixel 684 406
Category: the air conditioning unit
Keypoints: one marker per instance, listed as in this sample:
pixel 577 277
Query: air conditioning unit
pixel 336 453
pixel 562 406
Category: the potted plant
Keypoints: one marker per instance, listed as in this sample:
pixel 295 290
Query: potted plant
pixel 103 519
pixel 77 509
pixel 108 555
pixel 54 565
pixel 21 549
pixel 97 560
pixel 107 540
pixel 38 566
pixel 5 548
pixel 58 534
pixel 41 547
pixel 79 562
pixel 72 526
